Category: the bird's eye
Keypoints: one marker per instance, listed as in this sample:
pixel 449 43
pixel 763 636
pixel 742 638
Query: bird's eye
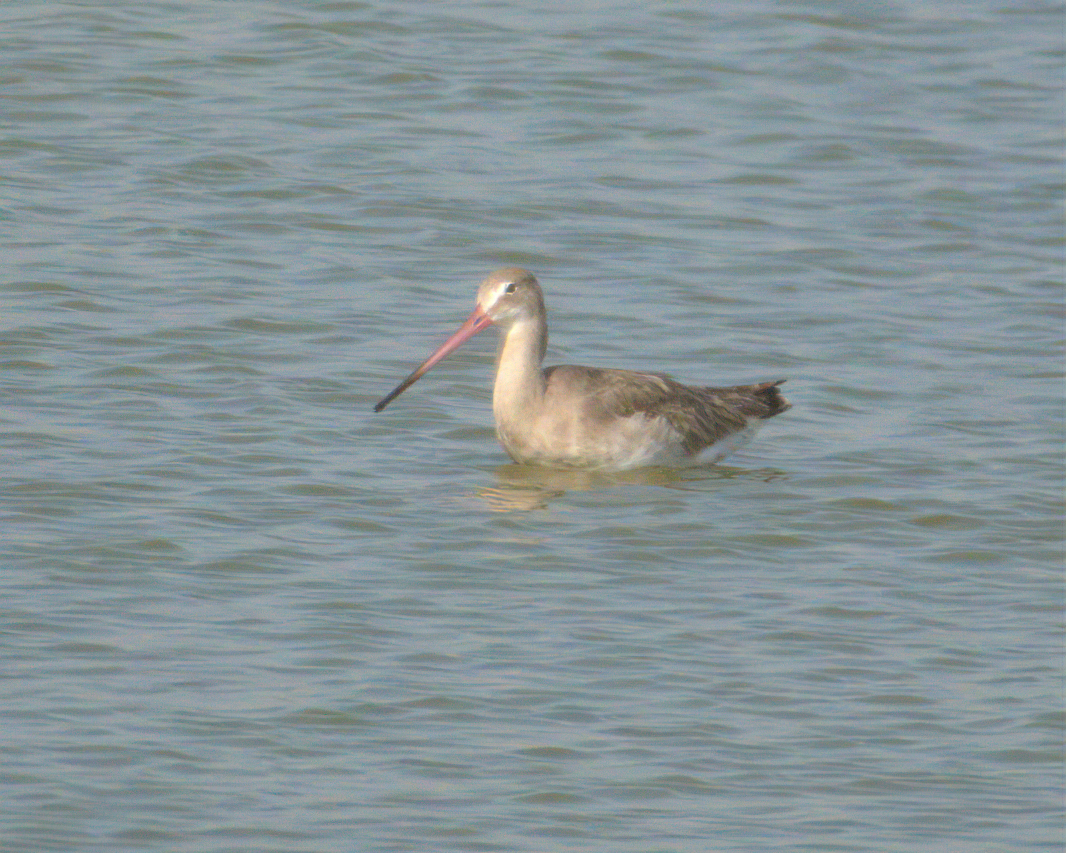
pixel 512 287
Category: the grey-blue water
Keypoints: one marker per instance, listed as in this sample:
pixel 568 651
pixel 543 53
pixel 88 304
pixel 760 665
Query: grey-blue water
pixel 240 612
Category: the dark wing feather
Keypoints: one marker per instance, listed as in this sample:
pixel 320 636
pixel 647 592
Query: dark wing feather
pixel 702 416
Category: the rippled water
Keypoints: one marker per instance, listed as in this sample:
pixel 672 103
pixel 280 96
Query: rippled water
pixel 243 613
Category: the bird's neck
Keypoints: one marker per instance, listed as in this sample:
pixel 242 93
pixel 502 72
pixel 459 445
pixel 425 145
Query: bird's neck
pixel 519 381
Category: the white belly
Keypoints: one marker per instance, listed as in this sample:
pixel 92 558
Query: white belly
pixel 624 443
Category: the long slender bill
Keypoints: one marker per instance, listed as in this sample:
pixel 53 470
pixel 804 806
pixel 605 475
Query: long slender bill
pixel 476 322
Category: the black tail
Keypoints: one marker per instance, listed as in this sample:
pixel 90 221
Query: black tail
pixel 767 400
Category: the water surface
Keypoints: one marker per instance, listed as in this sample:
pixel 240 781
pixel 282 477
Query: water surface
pixel 243 613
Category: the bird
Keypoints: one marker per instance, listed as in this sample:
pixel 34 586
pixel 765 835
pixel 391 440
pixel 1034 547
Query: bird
pixel 569 416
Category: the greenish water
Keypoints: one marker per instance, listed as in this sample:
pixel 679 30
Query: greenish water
pixel 243 613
